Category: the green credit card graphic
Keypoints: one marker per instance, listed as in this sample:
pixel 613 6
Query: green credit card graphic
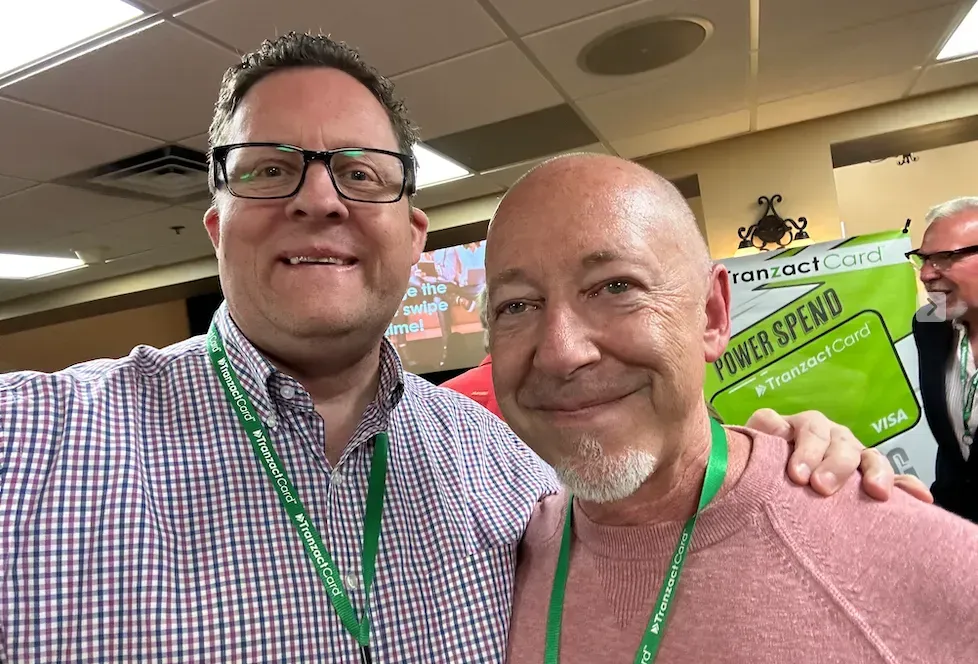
pixel 817 328
pixel 851 373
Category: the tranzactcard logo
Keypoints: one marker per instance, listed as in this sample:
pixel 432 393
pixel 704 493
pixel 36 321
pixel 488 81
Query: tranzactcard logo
pixel 834 347
pixel 935 311
pixel 775 271
pixel 836 260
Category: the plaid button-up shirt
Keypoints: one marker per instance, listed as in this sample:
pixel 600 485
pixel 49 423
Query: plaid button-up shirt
pixel 136 524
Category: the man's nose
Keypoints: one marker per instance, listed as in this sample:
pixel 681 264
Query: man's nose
pixel 929 273
pixel 565 344
pixel 318 197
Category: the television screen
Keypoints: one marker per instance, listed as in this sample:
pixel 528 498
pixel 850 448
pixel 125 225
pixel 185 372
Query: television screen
pixel 437 327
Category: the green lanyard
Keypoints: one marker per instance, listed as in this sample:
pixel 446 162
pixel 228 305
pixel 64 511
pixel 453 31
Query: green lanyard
pixel 716 470
pixel 261 443
pixel 968 391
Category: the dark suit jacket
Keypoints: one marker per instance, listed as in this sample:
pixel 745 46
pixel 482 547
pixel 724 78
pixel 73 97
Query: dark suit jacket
pixel 956 485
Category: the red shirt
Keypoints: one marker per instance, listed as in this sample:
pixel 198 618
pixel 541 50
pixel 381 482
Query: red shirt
pixel 477 385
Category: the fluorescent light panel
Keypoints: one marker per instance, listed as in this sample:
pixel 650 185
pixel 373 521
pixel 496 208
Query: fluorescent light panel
pixel 964 41
pixel 17 266
pixel 31 30
pixel 434 168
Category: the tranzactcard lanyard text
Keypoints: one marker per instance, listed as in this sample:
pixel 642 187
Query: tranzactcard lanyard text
pixel 968 391
pixel 716 470
pixel 312 541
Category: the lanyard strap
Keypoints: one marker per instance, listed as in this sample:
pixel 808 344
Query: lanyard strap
pixel 968 388
pixel 312 541
pixel 716 470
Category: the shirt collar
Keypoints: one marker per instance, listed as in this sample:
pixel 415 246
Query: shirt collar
pixel 259 372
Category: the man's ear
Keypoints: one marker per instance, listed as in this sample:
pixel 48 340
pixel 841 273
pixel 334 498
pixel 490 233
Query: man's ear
pixel 419 233
pixel 212 223
pixel 716 336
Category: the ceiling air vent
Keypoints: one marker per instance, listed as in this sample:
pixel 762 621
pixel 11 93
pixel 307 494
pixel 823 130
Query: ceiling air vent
pixel 171 174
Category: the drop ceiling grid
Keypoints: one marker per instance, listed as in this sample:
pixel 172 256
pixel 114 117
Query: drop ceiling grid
pixel 458 72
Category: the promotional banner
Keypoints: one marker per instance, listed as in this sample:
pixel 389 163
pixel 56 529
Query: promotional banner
pixel 828 327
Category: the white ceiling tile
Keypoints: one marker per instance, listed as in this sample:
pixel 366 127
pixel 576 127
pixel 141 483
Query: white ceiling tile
pixel 128 84
pixel 451 192
pixel 10 185
pixel 476 89
pixel 139 236
pixel 785 21
pixel 831 102
pixel 558 48
pixel 49 211
pixel 684 136
pixel 392 36
pixel 808 64
pixel 527 17
pixel 198 206
pixel 198 142
pixel 947 75
pixel 164 5
pixel 43 145
pixel 669 101
pixel 507 177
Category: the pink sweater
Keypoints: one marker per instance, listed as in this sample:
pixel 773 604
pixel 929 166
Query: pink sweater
pixel 776 575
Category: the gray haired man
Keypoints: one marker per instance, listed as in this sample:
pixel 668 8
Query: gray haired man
pixel 946 332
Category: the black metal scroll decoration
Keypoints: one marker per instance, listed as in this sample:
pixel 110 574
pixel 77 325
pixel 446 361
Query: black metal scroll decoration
pixel 772 228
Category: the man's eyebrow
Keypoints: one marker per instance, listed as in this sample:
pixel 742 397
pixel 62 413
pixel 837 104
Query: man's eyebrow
pixel 506 277
pixel 602 257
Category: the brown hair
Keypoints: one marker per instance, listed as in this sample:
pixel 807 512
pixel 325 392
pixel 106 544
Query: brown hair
pixel 307 50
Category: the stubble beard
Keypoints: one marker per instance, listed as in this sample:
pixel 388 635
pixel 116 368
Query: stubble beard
pixel 594 476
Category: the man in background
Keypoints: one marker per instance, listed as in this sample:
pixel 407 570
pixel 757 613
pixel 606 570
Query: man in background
pixel 600 343
pixel 946 333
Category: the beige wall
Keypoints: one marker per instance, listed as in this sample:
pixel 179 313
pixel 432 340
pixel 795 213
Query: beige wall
pixel 879 196
pixel 113 335
pixel 796 162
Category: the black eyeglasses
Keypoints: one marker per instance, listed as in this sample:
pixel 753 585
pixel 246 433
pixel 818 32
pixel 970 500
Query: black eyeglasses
pixel 940 260
pixel 276 170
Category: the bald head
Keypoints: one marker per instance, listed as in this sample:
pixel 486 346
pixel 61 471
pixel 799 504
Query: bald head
pixel 590 187
pixel 604 309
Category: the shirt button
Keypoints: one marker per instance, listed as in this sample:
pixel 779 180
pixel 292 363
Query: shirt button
pixel 337 478
pixel 351 581
pixel 287 392
pixel 271 421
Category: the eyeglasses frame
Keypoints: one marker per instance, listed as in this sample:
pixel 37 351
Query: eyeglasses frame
pixel 952 255
pixel 219 173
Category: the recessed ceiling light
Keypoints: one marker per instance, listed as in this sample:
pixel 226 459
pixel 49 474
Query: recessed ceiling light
pixel 39 28
pixel 434 168
pixel 964 40
pixel 16 266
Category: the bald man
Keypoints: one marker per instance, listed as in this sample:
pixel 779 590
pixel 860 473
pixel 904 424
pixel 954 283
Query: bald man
pixel 604 309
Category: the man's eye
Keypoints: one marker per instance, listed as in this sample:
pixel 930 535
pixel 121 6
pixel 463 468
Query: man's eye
pixel 513 308
pixel 616 287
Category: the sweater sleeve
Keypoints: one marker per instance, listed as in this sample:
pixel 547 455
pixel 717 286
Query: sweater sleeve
pixel 904 572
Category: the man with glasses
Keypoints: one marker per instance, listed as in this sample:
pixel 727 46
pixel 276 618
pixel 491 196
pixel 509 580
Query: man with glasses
pixel 281 490
pixel 946 332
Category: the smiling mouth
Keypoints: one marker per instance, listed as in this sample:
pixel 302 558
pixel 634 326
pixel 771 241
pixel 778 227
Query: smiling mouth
pixel 582 409
pixel 319 260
